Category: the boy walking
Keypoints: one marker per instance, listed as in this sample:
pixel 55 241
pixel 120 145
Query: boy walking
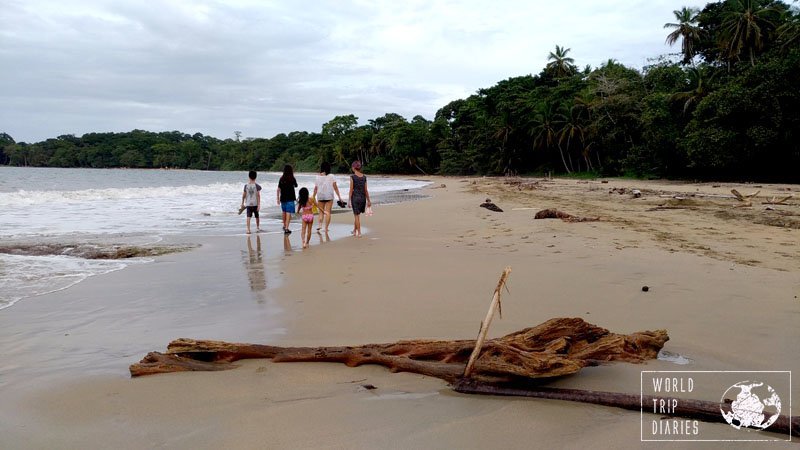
pixel 251 199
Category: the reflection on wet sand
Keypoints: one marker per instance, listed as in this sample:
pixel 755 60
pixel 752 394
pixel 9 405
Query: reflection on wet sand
pixel 287 244
pixel 254 265
pixel 323 236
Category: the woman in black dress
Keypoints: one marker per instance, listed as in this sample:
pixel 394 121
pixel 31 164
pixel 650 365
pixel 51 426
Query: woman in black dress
pixel 359 196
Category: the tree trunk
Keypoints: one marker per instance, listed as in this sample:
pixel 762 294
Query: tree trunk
pixel 564 161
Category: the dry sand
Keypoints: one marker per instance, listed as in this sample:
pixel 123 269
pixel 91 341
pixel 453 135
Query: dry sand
pixel 722 280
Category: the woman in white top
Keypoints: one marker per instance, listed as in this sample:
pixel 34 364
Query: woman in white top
pixel 324 188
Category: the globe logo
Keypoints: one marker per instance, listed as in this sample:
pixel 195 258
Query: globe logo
pixel 756 405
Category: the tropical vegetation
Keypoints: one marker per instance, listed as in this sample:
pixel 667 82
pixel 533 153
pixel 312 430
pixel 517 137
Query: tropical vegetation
pixel 725 106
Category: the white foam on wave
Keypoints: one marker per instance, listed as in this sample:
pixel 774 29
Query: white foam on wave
pixel 32 198
pixel 31 276
pixel 27 198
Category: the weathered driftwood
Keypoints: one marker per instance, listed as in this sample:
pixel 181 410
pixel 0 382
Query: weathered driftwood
pixel 554 348
pixel 743 198
pixel 691 409
pixel 556 214
pixel 776 201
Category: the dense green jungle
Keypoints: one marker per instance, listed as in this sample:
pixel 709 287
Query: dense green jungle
pixel 726 105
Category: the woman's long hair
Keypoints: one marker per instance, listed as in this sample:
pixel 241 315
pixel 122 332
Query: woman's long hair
pixel 288 175
pixel 325 168
pixel 302 197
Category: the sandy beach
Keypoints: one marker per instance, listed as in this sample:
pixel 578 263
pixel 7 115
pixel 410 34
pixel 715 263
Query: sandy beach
pixel 724 280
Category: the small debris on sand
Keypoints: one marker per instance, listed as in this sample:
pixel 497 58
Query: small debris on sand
pixel 491 206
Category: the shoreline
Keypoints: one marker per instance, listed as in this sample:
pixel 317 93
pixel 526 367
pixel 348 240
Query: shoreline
pixel 424 269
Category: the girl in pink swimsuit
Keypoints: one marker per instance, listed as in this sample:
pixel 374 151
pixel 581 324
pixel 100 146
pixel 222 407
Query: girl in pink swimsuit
pixel 305 207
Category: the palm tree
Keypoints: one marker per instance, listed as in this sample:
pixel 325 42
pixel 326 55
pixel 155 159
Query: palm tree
pixel 687 30
pixel 697 91
pixel 545 128
pixel 789 31
pixel 572 127
pixel 503 131
pixel 745 28
pixel 560 64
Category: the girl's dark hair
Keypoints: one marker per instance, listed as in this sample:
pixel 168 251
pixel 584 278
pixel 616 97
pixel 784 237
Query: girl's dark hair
pixel 288 174
pixel 302 197
pixel 325 168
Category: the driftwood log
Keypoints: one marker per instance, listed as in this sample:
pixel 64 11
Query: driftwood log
pixel 513 365
pixel 554 348
pixel 556 214
pixel 746 200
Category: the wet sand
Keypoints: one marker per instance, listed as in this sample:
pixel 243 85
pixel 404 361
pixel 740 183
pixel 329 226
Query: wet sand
pixel 722 280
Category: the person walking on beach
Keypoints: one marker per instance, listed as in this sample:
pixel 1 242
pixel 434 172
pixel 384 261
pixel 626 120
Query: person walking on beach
pixel 359 196
pixel 305 207
pixel 324 188
pixel 251 199
pixel 286 197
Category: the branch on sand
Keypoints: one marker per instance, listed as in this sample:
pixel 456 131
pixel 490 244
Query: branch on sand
pixel 556 214
pixel 557 347
pixel 776 201
pixel 691 409
pixel 745 199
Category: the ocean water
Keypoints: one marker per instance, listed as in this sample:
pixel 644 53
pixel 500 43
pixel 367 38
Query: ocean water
pixel 62 208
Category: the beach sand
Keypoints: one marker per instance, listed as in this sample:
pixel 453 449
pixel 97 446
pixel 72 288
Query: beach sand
pixel 723 280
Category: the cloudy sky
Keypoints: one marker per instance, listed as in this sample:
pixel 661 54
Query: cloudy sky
pixel 267 67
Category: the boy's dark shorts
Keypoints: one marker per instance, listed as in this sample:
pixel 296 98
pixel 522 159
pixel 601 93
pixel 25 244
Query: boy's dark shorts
pixel 252 211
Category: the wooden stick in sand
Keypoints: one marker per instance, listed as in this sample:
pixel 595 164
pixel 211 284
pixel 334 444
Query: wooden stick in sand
pixel 775 201
pixel 487 321
pixel 745 199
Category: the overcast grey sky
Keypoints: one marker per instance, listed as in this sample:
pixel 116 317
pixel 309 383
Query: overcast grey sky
pixel 267 67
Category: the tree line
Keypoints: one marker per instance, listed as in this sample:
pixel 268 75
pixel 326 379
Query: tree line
pixel 726 106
